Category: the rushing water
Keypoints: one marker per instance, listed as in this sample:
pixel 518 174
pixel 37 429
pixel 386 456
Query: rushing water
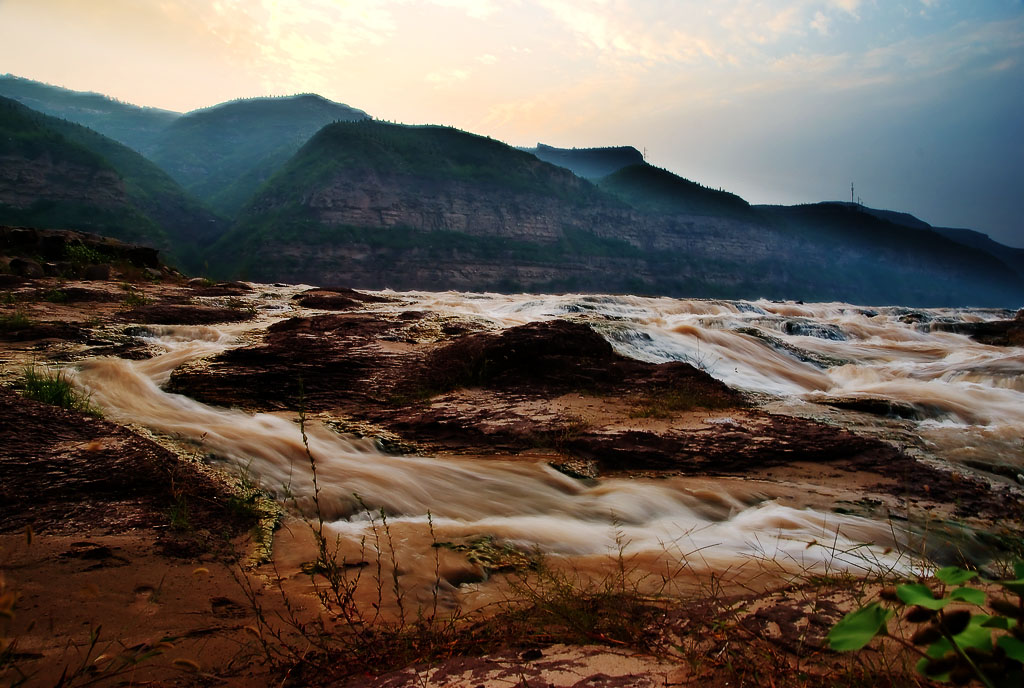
pixel 974 396
pixel 969 397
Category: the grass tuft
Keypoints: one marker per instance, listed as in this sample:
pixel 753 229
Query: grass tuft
pixel 55 389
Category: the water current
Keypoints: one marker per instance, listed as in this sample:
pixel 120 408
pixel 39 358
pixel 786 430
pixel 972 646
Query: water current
pixel 971 399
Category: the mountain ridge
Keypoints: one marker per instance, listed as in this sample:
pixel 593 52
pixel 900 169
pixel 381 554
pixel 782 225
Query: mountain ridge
pixel 416 207
pixel 424 206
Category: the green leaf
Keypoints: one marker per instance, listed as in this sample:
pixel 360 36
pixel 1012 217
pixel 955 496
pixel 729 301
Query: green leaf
pixel 1018 568
pixel 1015 586
pixel 939 648
pixel 972 595
pixel 1014 648
pixel 856 629
pixel 954 575
pixel 915 593
pixel 1000 622
pixel 976 635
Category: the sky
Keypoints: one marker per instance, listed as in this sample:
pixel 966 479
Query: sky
pixel 918 103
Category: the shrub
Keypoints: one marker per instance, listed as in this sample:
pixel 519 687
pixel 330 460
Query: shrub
pixel 961 646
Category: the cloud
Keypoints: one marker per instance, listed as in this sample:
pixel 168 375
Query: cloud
pixel 820 23
pixel 477 9
pixel 447 77
pixel 848 6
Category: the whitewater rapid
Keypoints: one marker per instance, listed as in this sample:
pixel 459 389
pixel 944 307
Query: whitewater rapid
pixel 790 350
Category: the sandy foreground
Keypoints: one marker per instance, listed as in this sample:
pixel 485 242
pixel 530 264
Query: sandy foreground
pixel 135 556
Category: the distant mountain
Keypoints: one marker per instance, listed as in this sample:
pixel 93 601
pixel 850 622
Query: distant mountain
pixel 135 127
pixel 56 174
pixel 589 163
pixel 223 154
pixel 377 205
pixel 321 193
pixel 869 250
pixel 1014 257
pixel 655 190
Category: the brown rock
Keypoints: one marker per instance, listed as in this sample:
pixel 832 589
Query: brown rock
pixel 96 272
pixel 26 268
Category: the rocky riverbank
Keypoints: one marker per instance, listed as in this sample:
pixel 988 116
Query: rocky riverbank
pixel 145 534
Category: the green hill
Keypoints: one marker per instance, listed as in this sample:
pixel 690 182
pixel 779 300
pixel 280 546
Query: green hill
pixel 430 153
pixel 224 153
pixel 57 174
pixel 655 190
pixel 393 187
pixel 135 127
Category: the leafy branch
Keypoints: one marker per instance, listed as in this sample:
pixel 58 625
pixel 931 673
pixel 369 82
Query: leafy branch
pixel 955 644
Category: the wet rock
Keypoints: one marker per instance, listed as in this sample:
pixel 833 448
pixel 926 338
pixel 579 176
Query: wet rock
pixel 764 440
pixel 318 362
pixel 993 333
pixel 63 471
pixel 820 360
pixel 180 314
pixel 335 298
pixel 555 353
pixel 885 407
pixel 204 287
pixel 83 295
pixel 327 301
pixel 807 328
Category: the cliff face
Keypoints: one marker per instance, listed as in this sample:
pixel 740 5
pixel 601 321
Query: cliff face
pixel 25 181
pixel 366 198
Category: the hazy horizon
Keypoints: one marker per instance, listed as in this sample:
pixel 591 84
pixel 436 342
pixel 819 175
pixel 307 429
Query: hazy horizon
pixel 916 102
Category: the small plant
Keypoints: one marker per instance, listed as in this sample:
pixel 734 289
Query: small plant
pixel 134 299
pixel 55 296
pixel 81 255
pixel 179 514
pixel 14 322
pixel 55 389
pixel 961 646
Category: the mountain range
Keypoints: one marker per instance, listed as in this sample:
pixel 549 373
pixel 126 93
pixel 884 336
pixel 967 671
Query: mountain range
pixel 303 189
